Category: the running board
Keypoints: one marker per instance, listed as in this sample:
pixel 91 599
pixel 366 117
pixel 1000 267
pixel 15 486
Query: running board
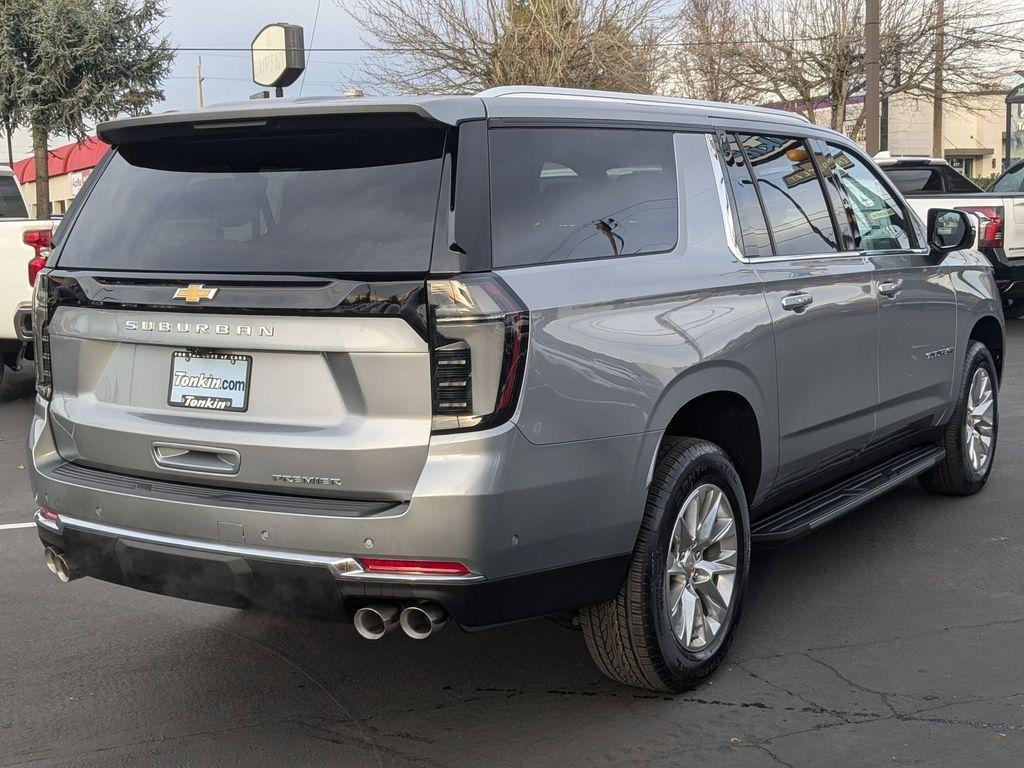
pixel 811 512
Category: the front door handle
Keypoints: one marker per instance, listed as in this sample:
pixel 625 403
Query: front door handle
pixel 890 287
pixel 797 302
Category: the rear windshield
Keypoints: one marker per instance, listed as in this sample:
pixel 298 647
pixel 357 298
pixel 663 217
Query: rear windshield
pixel 348 200
pixel 929 179
pixel 11 204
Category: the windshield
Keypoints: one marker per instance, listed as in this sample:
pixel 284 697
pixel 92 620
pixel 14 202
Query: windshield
pixel 348 200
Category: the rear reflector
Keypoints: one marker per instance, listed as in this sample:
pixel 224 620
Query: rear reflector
pixel 49 513
pixel 431 567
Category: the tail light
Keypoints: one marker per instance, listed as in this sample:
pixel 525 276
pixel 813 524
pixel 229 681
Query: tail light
pixel 991 233
pixel 41 241
pixel 479 333
pixel 42 303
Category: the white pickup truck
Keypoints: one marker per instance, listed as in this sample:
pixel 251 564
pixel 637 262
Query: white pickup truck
pixel 932 183
pixel 24 245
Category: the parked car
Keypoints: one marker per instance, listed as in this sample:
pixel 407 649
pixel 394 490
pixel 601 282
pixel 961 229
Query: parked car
pixel 485 358
pixel 930 183
pixel 24 246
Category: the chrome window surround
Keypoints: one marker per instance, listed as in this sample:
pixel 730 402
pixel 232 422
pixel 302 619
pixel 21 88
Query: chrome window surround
pixel 342 567
pixel 732 235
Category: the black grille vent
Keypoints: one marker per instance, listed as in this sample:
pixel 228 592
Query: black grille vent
pixel 453 380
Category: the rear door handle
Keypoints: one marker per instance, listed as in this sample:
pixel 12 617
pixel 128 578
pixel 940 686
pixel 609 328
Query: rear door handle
pixel 890 287
pixel 797 302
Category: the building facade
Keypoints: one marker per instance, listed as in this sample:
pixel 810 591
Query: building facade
pixel 69 167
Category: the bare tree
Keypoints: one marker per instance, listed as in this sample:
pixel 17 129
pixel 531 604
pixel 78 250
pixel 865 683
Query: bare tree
pixel 808 54
pixel 704 55
pixel 462 46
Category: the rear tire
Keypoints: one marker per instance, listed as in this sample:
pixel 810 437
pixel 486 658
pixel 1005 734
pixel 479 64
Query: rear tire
pixel 961 473
pixel 696 510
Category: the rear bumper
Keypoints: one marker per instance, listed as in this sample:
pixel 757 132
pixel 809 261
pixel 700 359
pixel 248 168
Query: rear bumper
pixel 322 587
pixel 23 323
pixel 542 529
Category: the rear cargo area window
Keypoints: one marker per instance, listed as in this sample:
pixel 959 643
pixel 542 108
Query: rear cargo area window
pixel 346 200
pixel 580 193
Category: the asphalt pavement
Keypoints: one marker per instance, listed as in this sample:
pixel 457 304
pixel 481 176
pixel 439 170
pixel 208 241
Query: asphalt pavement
pixel 892 637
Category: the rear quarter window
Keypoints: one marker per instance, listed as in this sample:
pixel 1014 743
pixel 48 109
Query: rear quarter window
pixel 580 193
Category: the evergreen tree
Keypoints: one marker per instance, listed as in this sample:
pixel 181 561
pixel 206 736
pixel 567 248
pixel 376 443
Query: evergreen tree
pixel 67 63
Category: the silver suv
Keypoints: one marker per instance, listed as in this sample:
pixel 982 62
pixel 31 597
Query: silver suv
pixel 485 358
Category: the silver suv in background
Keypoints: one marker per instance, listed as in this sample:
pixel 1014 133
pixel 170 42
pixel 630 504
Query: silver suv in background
pixel 485 358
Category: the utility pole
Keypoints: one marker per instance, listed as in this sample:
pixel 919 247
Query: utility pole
pixel 872 70
pixel 199 80
pixel 940 53
pixel 9 129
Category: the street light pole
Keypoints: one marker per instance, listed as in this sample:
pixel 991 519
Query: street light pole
pixel 199 80
pixel 873 73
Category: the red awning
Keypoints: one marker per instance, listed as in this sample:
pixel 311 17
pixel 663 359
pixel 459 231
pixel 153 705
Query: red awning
pixel 67 159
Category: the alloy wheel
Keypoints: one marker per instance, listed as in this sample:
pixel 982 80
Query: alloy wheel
pixel 979 424
pixel 701 568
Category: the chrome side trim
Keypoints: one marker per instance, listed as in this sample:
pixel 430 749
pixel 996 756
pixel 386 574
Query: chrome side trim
pixel 341 566
pixel 731 237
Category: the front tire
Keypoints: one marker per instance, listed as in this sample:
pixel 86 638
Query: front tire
pixel 970 436
pixel 675 616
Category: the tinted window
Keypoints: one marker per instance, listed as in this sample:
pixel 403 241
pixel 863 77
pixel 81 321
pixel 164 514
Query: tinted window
pixel 561 194
pixel 345 200
pixel 753 228
pixel 792 195
pixel 957 182
pixel 909 180
pixel 11 204
pixel 1011 181
pixel 878 221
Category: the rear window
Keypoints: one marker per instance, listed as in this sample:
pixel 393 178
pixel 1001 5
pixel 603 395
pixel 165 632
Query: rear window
pixel 346 200
pixel 929 179
pixel 11 204
pixel 581 193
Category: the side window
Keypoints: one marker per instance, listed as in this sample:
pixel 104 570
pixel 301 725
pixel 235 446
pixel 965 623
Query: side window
pixel 753 229
pixel 879 222
pixel 792 195
pixel 561 194
pixel 1011 181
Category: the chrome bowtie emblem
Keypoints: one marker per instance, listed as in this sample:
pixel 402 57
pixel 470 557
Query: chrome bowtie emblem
pixel 195 293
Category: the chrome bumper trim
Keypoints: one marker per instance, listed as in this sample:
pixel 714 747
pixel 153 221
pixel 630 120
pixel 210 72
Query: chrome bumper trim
pixel 341 567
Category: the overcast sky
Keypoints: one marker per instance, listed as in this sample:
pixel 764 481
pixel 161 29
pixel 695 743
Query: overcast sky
pixel 228 74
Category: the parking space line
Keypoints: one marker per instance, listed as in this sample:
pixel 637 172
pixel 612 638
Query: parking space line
pixel 9 526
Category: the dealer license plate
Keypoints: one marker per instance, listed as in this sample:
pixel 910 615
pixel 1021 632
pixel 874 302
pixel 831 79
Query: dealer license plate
pixel 209 381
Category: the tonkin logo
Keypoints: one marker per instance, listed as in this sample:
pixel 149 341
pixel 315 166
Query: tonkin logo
pixel 195 293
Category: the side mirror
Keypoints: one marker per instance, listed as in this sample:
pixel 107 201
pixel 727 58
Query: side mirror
pixel 949 230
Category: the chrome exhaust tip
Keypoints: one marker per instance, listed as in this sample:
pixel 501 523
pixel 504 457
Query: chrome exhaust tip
pixel 422 620
pixel 50 556
pixel 375 621
pixel 62 565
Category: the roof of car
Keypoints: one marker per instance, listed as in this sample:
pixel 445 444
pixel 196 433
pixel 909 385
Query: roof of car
pixel 511 103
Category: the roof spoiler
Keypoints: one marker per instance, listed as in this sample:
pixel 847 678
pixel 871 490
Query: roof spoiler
pixel 258 113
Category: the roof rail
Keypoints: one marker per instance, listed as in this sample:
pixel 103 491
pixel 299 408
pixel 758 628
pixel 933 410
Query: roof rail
pixel 537 92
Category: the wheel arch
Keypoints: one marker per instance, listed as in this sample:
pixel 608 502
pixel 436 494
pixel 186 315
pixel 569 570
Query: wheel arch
pixel 723 404
pixel 989 331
